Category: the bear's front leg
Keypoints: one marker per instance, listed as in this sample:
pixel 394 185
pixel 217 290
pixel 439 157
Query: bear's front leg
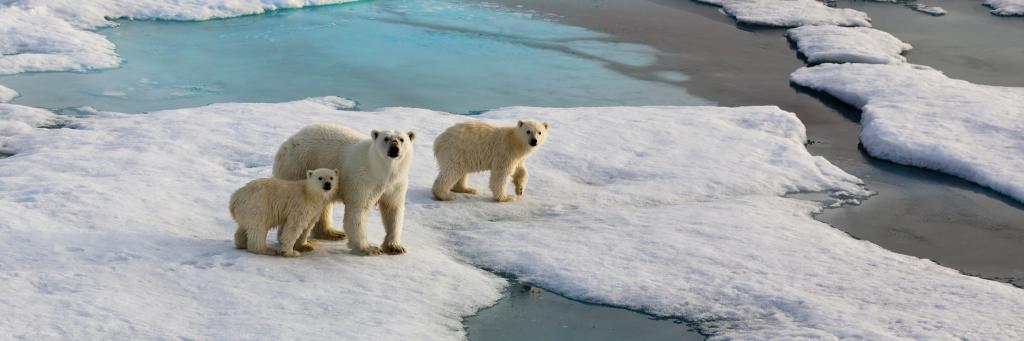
pixel 519 178
pixel 323 229
pixel 392 211
pixel 499 181
pixel 303 244
pixel 290 233
pixel 355 227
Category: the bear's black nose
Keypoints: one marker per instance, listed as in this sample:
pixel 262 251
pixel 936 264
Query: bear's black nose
pixel 393 151
pixel 327 186
pixel 533 142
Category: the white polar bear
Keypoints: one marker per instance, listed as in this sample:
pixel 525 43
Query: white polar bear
pixel 263 204
pixel 477 146
pixel 373 171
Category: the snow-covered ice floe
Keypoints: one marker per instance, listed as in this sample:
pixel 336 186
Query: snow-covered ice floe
pixel 7 94
pixel 928 9
pixel 1006 7
pixel 917 116
pixel 835 44
pixel 117 227
pixel 789 13
pixel 52 35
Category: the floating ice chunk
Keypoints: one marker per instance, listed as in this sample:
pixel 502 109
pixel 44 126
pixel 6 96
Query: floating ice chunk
pixel 37 40
pixel 51 35
pixel 671 210
pixel 834 44
pixel 917 116
pixel 927 9
pixel 7 94
pixel 1006 7
pixel 791 13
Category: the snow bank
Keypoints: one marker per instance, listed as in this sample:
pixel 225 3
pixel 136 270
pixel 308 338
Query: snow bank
pixel 51 35
pixel 118 229
pixel 917 116
pixel 1006 7
pixel 791 13
pixel 7 94
pixel 834 44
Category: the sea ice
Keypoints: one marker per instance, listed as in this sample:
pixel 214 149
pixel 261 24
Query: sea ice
pixel 117 227
pixel 1006 7
pixel 7 94
pixel 927 9
pixel 917 116
pixel 790 13
pixel 52 35
pixel 835 44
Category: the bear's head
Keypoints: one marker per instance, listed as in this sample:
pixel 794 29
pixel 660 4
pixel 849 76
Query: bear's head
pixel 532 132
pixel 322 180
pixel 392 144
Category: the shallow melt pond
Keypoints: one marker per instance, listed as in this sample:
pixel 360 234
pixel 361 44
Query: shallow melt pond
pixel 444 55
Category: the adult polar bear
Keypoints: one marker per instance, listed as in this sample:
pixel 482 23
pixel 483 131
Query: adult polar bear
pixel 373 171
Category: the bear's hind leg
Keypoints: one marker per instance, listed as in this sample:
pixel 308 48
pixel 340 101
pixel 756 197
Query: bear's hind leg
pixel 241 238
pixel 446 179
pixel 257 241
pixel 323 229
pixel 463 186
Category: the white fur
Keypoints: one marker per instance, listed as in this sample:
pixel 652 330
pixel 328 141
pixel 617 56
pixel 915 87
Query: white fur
pixel 293 205
pixel 368 178
pixel 477 146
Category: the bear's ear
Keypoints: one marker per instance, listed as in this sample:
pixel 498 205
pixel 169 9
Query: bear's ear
pixel 520 124
pixel 374 134
pixel 412 136
pixel 309 173
pixel 545 125
pixel 336 172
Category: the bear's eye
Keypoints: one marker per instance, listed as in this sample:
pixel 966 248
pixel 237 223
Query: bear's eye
pixel 527 131
pixel 332 178
pixel 321 178
pixel 538 133
pixel 386 139
pixel 400 140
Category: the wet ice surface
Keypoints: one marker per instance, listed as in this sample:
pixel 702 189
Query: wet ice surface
pixel 444 55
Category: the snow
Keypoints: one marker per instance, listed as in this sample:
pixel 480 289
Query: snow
pixel 7 94
pixel 116 227
pixel 52 35
pixel 835 44
pixel 1006 7
pixel 791 13
pixel 17 119
pixel 917 116
pixel 928 9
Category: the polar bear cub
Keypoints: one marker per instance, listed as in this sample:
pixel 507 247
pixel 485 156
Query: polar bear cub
pixel 477 146
pixel 294 206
